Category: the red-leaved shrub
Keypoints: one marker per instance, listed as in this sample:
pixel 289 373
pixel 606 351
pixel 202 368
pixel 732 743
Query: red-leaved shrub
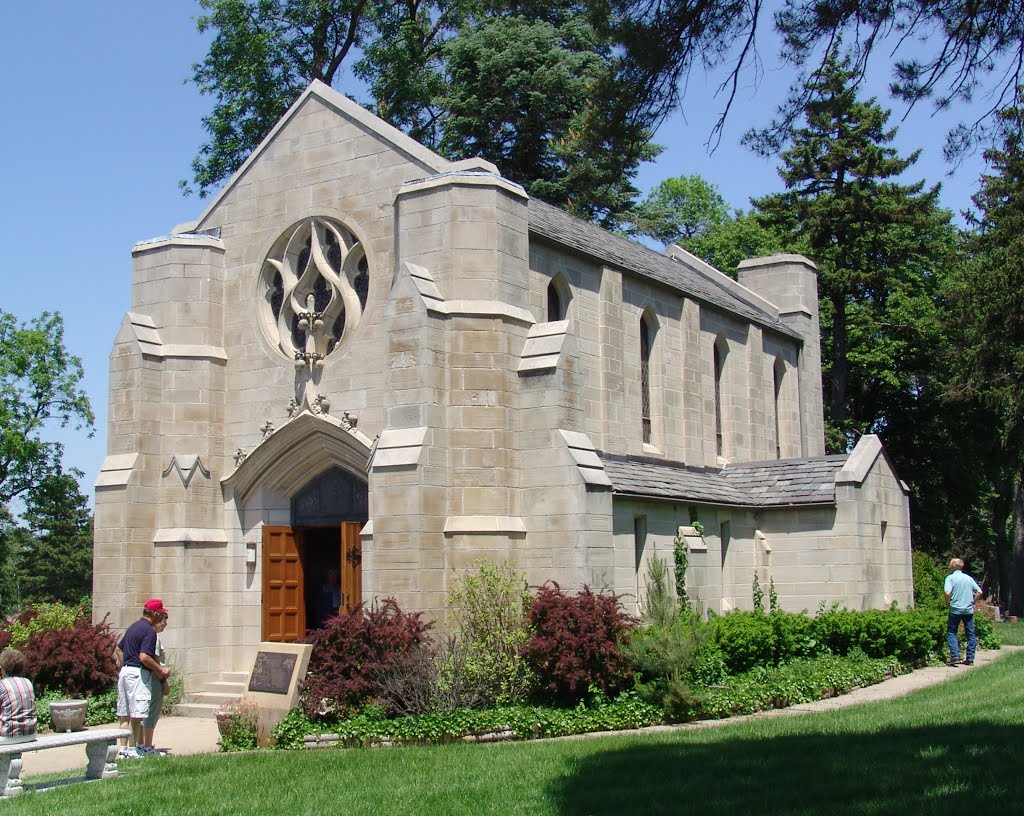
pixel 5 638
pixel 575 643
pixel 352 651
pixel 77 661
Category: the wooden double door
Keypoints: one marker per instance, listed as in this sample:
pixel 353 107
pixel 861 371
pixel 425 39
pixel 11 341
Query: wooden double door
pixel 296 564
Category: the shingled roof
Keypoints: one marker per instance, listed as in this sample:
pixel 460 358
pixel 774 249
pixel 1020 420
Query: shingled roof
pixel 597 243
pixel 779 483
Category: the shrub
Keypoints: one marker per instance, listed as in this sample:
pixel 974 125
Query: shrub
pixel 76 661
pixel 489 609
pixel 747 639
pixel 241 729
pixel 352 651
pixel 907 636
pixel 929 579
pixel 575 643
pixel 660 606
pixel 42 618
pixel 673 662
pixel 794 635
pixel 837 630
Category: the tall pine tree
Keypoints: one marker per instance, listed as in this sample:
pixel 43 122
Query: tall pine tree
pixel 876 243
pixel 55 563
pixel 991 306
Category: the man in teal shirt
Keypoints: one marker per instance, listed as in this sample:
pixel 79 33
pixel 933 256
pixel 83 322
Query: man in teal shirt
pixel 961 593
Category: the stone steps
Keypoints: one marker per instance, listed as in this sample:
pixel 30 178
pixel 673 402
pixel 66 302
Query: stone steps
pixel 203 704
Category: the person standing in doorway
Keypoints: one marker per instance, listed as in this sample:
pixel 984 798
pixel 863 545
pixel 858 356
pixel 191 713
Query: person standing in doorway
pixel 139 670
pixel 328 601
pixel 961 593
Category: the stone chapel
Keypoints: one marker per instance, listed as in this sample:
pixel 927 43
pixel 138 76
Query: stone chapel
pixel 365 358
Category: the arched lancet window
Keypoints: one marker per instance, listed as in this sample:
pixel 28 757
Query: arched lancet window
pixel 719 360
pixel 645 378
pixel 778 372
pixel 555 311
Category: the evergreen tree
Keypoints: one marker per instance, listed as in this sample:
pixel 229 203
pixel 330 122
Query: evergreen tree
pixel 55 563
pixel 538 99
pixel 12 540
pixel 876 243
pixel 989 298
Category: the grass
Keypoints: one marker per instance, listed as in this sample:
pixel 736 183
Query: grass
pixel 1010 634
pixel 948 749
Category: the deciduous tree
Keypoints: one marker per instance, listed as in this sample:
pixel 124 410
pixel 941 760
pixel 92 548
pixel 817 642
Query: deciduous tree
pixel 40 386
pixel 679 209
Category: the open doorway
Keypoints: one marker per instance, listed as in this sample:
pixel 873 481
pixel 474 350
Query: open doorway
pixel 322 573
pixel 297 563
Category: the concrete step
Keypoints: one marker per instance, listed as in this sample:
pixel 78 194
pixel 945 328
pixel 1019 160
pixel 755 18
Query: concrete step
pixel 199 711
pixel 224 687
pixel 213 698
pixel 205 702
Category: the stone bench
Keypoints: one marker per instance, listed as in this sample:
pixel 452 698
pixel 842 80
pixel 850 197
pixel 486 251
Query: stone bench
pixel 100 749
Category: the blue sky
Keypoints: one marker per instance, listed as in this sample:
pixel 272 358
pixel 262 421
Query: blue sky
pixel 100 126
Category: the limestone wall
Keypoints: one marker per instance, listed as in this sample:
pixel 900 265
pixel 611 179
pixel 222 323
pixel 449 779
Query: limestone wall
pixel 604 315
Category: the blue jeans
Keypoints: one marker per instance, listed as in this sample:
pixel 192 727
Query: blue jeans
pixel 952 624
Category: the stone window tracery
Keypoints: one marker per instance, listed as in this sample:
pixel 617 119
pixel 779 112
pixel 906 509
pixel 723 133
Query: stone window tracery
pixel 315 284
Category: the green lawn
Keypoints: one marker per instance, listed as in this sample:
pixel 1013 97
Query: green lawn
pixel 1010 634
pixel 949 749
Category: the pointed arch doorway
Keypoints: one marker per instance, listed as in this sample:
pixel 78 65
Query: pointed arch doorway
pixel 300 559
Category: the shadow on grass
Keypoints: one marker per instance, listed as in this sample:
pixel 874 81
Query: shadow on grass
pixel 932 770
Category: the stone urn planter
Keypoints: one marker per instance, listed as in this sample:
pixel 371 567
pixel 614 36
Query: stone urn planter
pixel 68 715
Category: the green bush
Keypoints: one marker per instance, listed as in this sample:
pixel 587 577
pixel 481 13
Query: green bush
pixel 42 618
pixel 746 639
pixel 242 727
pixel 490 609
pixel 929 579
pixel 794 635
pixel 674 661
pixel 837 630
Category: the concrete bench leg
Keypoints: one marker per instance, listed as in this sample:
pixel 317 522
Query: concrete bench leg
pixel 10 776
pixel 102 760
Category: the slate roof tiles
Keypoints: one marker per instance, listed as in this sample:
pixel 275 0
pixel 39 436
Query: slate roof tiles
pixel 778 483
pixel 601 245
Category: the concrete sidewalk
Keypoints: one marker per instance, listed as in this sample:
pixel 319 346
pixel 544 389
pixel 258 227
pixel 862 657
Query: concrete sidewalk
pixel 176 735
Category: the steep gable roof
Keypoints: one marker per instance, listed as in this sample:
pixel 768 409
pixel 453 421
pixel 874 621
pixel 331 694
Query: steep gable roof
pixel 599 244
pixel 352 111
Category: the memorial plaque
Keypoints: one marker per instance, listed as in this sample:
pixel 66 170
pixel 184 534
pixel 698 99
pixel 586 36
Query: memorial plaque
pixel 272 672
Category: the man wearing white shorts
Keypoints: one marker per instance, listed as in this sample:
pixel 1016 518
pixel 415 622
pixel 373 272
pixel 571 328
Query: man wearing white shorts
pixel 137 652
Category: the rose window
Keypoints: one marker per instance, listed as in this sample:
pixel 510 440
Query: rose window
pixel 314 283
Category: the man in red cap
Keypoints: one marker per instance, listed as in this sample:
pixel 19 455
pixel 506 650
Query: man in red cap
pixel 140 668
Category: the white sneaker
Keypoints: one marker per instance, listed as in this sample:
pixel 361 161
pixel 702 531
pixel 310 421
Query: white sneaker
pixel 149 750
pixel 128 753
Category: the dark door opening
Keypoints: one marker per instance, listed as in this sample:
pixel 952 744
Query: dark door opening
pixel 322 552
